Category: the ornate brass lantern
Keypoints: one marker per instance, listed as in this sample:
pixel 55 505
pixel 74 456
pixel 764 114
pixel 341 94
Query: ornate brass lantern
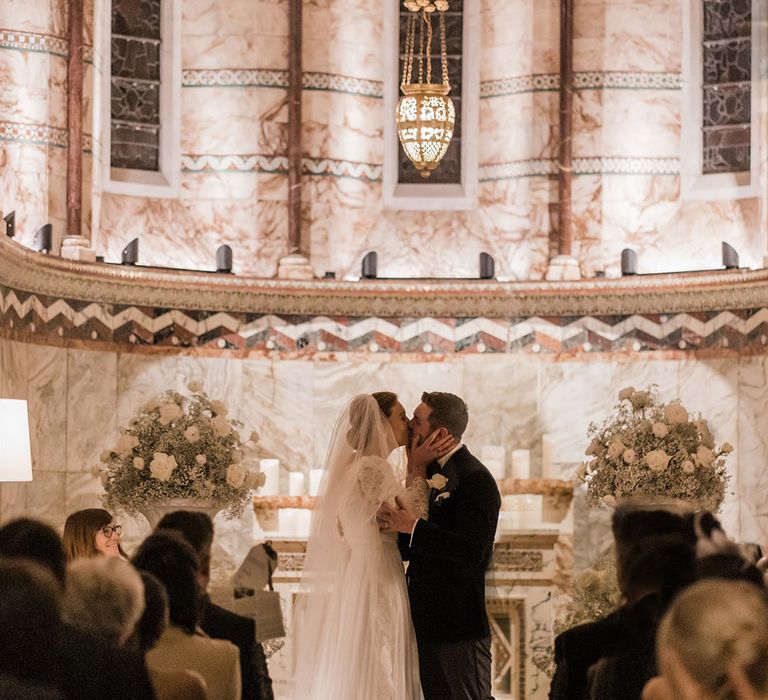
pixel 425 114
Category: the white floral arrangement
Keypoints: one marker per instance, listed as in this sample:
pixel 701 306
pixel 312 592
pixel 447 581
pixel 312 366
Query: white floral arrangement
pixel 179 447
pixel 654 449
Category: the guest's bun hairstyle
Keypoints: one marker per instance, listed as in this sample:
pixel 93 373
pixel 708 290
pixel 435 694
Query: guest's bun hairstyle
pixel 30 539
pixel 447 411
pixel 80 533
pixel 715 628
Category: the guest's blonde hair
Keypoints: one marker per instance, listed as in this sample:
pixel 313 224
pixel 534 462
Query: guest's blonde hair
pixel 714 627
pixel 104 597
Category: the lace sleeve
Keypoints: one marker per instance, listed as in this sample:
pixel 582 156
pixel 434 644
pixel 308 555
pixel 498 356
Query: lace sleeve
pixel 419 490
pixel 377 481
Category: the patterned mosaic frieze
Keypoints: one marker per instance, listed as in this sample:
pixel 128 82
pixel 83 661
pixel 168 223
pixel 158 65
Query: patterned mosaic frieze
pixel 279 164
pixel 40 134
pixel 582 80
pixel 581 166
pixel 61 320
pixel 39 43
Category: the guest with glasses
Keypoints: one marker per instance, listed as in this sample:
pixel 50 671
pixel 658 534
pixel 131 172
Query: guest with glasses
pixel 91 533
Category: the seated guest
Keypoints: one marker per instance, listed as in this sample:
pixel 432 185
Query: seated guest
pixel 217 622
pixel 167 556
pixel 713 644
pixel 36 541
pixel 29 624
pixel 579 648
pixel 91 533
pixel 104 597
pixel 86 667
pixel 168 685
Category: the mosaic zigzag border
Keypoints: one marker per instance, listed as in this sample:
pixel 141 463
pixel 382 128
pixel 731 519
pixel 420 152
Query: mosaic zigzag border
pixel 598 165
pixel 57 321
pixel 279 164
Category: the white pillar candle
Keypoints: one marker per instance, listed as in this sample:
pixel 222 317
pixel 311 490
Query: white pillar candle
pixel 295 484
pixel 286 522
pixel 303 518
pixel 494 457
pixel 315 477
pixel 547 448
pixel 271 469
pixel 521 464
pixel 496 467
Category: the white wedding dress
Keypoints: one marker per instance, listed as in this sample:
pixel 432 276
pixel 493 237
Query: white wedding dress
pixel 355 636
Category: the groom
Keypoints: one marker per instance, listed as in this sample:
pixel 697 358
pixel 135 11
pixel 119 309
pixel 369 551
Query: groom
pixel 448 555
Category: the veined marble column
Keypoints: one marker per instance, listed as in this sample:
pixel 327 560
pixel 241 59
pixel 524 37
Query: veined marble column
pixel 33 62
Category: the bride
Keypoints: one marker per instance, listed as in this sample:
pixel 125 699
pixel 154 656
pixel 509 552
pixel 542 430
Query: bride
pixel 352 624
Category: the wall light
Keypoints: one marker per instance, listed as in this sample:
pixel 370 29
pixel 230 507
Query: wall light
pixel 16 456
pixel 370 266
pixel 43 240
pixel 10 224
pixel 628 262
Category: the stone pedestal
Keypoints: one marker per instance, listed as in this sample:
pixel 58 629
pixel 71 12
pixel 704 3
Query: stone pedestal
pixel 563 268
pixel 295 267
pixel 77 248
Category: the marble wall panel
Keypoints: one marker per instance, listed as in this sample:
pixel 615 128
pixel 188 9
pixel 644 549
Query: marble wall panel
pixel 24 86
pixel 46 498
pixel 91 409
pixel 43 16
pixel 47 397
pixel 15 370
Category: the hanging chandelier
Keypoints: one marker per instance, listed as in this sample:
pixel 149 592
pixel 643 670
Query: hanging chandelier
pixel 425 114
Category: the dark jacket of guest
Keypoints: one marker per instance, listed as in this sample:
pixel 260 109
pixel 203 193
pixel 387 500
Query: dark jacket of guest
pixel 450 553
pixel 89 669
pixel 220 623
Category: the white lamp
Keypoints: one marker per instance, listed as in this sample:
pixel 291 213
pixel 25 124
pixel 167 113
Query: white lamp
pixel 15 455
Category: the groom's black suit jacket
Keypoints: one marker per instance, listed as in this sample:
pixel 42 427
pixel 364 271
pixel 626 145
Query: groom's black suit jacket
pixel 449 553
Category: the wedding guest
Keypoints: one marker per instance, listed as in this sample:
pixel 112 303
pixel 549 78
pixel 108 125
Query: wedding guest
pixel 168 685
pixel 91 533
pixel 104 597
pixel 713 643
pixel 217 622
pixel 86 668
pixel 36 541
pixel 166 555
pixel 29 623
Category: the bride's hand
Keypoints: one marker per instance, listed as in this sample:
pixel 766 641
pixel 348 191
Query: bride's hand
pixel 421 454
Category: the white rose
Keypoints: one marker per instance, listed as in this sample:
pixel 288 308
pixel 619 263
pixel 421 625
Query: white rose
pixel 255 480
pixel 616 448
pixel 221 426
pixel 219 408
pixel 236 475
pixel 237 456
pixel 105 456
pixel 138 463
pixel 438 481
pixel 689 467
pixel 726 448
pixel 126 443
pixel 660 430
pixel 704 455
pixel 162 466
pixel 201 459
pixel 254 436
pixel 169 412
pixel 192 433
pixel 640 399
pixel 657 460
pixel 151 405
pixel 701 425
pixel 593 448
pixel 626 393
pixel 629 456
pixel 195 386
pixel 675 413
pixel 609 501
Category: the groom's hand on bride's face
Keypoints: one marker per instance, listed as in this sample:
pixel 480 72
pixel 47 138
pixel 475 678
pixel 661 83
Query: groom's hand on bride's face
pixel 398 518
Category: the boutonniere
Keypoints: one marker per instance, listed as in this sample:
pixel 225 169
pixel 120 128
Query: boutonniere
pixel 441 497
pixel 437 482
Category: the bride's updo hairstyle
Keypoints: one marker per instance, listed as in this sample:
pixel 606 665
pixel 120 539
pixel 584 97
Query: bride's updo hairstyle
pixel 386 401
pixel 715 628
pixel 368 431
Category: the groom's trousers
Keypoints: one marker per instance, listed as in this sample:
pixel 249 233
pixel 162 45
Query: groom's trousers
pixel 456 670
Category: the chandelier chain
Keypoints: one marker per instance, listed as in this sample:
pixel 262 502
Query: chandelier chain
pixel 421 52
pixel 428 20
pixel 443 49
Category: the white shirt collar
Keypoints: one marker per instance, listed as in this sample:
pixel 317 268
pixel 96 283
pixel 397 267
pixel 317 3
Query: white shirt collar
pixel 450 454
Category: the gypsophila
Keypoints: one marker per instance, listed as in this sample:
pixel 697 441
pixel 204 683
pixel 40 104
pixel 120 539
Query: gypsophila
pixel 653 449
pixel 179 447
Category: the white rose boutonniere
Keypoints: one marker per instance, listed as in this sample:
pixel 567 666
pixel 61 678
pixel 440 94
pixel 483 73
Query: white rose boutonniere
pixel 438 482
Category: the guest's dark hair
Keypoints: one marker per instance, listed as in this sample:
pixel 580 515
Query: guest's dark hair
pixel 196 528
pixel 727 565
pixel 36 541
pixel 30 599
pixel 168 556
pixel 386 401
pixel 447 411
pixel 662 564
pixel 154 620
